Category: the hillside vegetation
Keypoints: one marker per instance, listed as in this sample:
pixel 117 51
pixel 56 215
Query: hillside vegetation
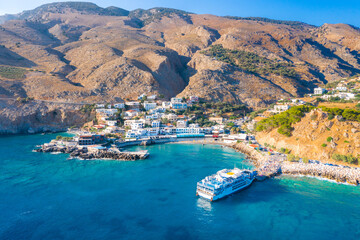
pixel 12 72
pixel 284 121
pixel 249 61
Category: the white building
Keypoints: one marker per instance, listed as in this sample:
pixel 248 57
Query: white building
pixel 346 96
pixel 110 122
pixel 176 100
pixel 131 113
pixel 181 123
pixel 158 109
pixel 149 105
pixel 168 130
pixel 151 132
pixel 152 97
pixel 109 112
pixel 141 96
pixel 194 98
pixel 171 116
pixel 194 125
pixel 188 130
pixel 136 133
pixel 119 105
pixel 281 108
pixel 132 104
pixel 341 89
pixel 297 101
pixel 100 105
pixel 178 105
pixel 155 124
pixel 166 104
pixel 319 91
pixel 134 123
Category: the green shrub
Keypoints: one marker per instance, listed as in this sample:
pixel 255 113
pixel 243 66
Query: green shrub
pixel 345 158
pixel 305 160
pixel 291 158
pixel 313 117
pixel 285 130
pixel 329 139
pixel 324 145
pixel 331 116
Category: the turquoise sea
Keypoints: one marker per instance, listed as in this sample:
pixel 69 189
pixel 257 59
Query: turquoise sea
pixel 46 196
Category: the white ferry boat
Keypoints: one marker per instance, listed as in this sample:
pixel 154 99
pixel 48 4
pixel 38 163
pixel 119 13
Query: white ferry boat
pixel 224 182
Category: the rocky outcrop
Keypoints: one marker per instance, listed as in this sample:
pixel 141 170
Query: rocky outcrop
pixel 34 116
pixel 317 137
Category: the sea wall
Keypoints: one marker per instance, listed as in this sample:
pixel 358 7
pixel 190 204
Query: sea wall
pixel 337 173
pixel 272 163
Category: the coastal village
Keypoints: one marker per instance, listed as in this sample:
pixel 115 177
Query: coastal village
pixel 151 120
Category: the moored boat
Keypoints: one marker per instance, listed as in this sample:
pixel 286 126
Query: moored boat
pixel 224 182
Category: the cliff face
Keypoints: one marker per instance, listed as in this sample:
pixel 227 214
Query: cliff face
pixel 312 132
pixel 39 117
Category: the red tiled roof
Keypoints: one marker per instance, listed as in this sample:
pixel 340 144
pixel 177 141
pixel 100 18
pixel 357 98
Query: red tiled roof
pixel 254 145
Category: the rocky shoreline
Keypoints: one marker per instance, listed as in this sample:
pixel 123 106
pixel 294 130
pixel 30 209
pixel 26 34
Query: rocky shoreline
pixel 113 154
pixel 340 174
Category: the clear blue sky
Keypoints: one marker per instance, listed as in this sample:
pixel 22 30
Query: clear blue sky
pixel 314 12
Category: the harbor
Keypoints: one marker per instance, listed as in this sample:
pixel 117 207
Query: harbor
pixel 268 164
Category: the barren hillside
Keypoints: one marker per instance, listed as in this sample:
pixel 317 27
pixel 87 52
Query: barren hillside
pixel 81 52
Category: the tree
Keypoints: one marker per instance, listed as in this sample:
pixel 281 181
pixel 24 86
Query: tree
pixel 291 158
pixel 59 137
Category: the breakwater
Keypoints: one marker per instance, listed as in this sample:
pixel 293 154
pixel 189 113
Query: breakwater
pixel 276 164
pixel 337 173
pixel 85 153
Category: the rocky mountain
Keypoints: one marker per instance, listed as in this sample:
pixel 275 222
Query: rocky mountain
pixel 80 52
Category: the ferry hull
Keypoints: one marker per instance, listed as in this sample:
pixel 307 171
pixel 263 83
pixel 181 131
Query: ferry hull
pixel 226 192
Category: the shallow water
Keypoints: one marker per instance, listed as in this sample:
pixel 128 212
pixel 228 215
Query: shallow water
pixel 45 196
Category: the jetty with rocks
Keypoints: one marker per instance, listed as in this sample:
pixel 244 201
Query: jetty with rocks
pixel 93 152
pixel 276 164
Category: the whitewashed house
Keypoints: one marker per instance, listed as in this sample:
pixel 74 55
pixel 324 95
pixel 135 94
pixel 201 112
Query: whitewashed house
pixel 119 105
pixel 110 122
pixel 181 123
pixel 319 91
pixel 341 88
pixel 281 108
pixel 149 105
pixel 155 124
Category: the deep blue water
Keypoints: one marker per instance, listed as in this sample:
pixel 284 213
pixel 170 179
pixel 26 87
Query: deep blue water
pixel 45 196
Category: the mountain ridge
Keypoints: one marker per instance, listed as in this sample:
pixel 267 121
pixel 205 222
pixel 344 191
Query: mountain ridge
pixel 78 51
